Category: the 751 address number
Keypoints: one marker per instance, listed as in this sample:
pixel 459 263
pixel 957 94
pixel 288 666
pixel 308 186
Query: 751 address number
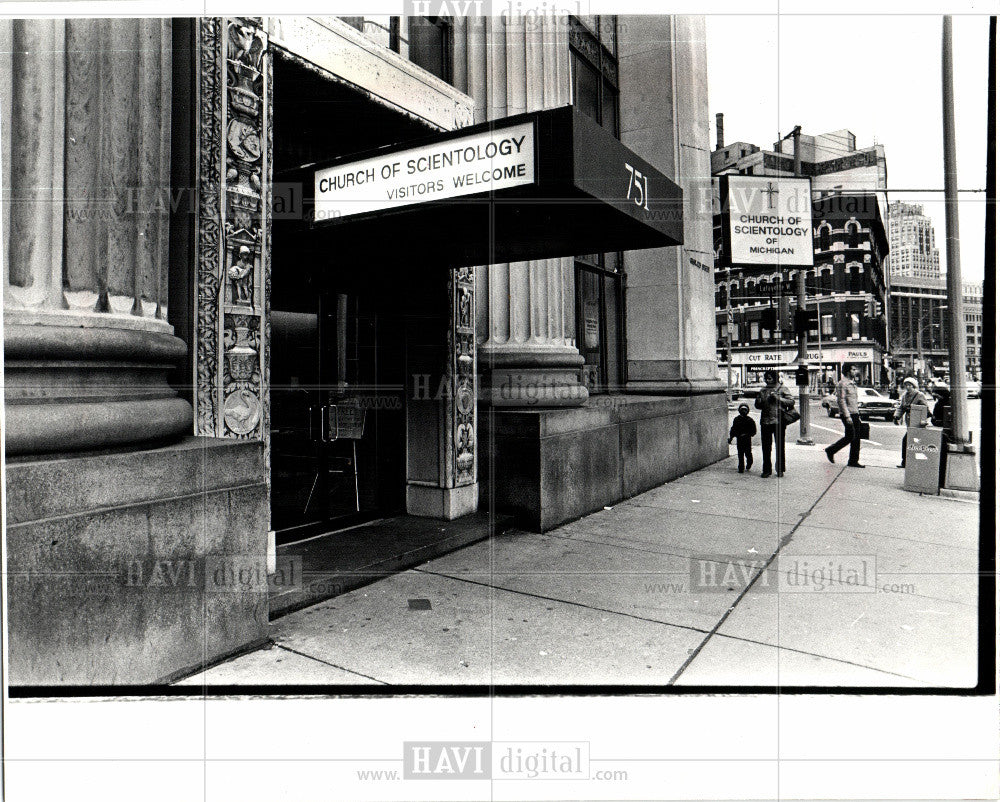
pixel 640 184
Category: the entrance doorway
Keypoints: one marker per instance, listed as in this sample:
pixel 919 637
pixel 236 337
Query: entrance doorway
pixel 338 426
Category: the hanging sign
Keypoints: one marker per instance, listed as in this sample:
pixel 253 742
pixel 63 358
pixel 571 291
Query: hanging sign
pixel 767 221
pixel 487 161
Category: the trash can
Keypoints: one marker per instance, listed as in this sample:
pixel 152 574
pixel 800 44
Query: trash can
pixel 923 459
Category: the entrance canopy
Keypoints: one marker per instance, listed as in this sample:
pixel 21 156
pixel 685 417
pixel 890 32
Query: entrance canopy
pixel 545 184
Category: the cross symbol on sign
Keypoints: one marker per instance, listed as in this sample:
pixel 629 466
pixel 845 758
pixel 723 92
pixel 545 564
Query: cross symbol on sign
pixel 770 192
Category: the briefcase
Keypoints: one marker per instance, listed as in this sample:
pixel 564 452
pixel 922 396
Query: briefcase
pixel 866 430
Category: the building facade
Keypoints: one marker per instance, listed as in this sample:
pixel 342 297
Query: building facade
pixel 196 377
pixel 972 306
pixel 846 287
pixel 919 327
pixel 912 252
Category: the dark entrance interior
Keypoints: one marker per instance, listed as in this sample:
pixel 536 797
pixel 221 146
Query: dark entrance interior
pixel 338 437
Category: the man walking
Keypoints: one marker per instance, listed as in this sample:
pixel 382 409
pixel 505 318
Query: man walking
pixel 847 401
pixel 911 397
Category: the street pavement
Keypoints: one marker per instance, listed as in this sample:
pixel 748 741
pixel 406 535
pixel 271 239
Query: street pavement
pixel 829 576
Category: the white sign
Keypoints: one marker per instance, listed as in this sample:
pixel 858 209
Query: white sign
pixel 492 160
pixel 790 356
pixel 770 220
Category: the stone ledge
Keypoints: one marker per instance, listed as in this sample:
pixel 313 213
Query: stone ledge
pixel 125 568
pixel 50 487
pixel 597 412
pixel 552 466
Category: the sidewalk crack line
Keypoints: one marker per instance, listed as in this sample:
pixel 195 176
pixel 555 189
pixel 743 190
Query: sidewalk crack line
pixel 782 543
pixel 332 665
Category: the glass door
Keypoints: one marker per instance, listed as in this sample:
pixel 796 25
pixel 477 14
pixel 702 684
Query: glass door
pixel 300 321
pixel 337 436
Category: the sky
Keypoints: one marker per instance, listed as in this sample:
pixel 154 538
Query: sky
pixel 877 76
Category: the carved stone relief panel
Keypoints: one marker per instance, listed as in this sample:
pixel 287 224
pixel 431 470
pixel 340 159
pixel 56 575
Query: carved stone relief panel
pixel 234 164
pixel 463 368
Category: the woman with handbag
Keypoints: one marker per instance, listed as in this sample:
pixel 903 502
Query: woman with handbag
pixel 775 403
pixel 911 397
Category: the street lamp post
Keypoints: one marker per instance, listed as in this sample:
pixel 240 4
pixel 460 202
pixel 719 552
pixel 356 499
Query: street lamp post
pixel 956 340
pixel 729 339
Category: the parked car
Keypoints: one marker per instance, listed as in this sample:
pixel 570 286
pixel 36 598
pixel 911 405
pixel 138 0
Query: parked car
pixel 974 389
pixel 871 404
pixel 751 390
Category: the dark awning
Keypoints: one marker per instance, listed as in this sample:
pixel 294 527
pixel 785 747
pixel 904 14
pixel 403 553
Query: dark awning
pixel 545 184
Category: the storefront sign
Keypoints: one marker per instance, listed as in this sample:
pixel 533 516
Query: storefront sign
pixel 767 221
pixel 789 356
pixel 544 184
pixel 483 162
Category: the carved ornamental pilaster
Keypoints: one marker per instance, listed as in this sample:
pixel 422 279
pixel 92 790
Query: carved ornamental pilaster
pixel 462 365
pixel 234 177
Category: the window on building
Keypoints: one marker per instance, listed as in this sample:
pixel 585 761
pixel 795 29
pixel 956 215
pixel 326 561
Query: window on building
pixel 594 70
pixel 824 237
pixel 854 278
pixel 853 234
pixel 431 45
pixel 754 330
pixel 826 280
pixel 599 321
pixel 827 325
pixel 855 326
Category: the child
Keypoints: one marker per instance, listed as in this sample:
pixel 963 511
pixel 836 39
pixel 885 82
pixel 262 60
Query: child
pixel 743 429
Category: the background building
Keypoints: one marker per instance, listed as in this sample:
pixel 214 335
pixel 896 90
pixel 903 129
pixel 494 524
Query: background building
pixel 972 304
pixel 833 161
pixel 847 283
pixel 911 242
pixel 179 345
pixel 919 321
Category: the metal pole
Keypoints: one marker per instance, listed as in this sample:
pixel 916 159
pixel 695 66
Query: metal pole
pixel 956 338
pixel 804 438
pixel 800 287
pixel 729 330
pixel 920 347
pixel 819 345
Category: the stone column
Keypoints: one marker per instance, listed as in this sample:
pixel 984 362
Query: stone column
pixel 670 293
pixel 525 313
pixel 86 178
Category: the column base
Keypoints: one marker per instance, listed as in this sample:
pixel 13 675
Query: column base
pixel 76 388
pixel 447 503
pixel 532 378
pixel 676 387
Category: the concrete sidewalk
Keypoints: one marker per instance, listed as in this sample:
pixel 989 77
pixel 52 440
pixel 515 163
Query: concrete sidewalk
pixel 696 582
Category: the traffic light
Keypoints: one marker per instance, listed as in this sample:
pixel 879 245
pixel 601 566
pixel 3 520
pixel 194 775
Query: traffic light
pixel 869 307
pixel 878 309
pixel 805 319
pixel 787 310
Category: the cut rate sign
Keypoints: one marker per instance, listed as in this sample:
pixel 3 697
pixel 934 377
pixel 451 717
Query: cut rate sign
pixel 769 220
pixel 492 160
